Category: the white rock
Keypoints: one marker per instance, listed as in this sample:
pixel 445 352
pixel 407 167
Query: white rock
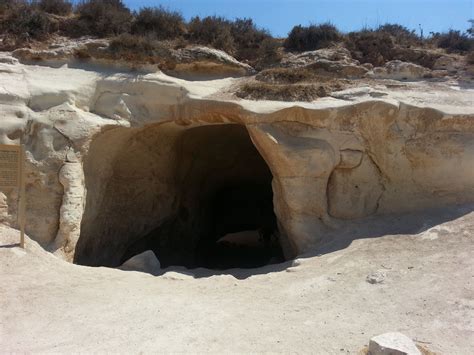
pixel 376 277
pixel 392 343
pixel 145 262
pixel 178 276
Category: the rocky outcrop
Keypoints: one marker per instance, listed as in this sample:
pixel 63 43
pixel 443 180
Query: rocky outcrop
pixel 399 70
pixel 192 62
pixel 335 62
pixel 198 62
pixel 340 158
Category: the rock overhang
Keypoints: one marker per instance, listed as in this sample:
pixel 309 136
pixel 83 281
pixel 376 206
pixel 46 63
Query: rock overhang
pixel 366 152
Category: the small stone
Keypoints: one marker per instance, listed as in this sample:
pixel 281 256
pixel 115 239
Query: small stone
pixel 392 343
pixel 178 276
pixel 375 277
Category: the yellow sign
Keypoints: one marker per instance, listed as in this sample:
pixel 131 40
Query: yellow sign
pixel 12 175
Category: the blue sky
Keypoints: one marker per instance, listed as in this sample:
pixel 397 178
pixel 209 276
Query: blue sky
pixel 279 16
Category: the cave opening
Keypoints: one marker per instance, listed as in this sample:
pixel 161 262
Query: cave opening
pixel 209 202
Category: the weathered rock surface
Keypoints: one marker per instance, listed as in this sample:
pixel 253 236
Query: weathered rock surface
pixel 193 62
pixel 392 344
pixel 336 62
pixel 203 62
pixel 398 70
pixel 365 152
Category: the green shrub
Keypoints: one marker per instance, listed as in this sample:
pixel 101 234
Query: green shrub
pixel 103 18
pixel 212 30
pixel 159 23
pixel 454 41
pixel 370 46
pixel 56 7
pixel 312 37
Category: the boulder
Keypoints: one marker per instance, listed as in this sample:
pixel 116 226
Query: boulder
pixel 144 262
pixel 398 70
pixel 334 54
pixel 393 343
pixel 449 63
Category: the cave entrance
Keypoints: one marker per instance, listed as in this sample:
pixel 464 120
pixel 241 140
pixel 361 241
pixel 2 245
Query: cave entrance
pixel 209 202
pixel 224 216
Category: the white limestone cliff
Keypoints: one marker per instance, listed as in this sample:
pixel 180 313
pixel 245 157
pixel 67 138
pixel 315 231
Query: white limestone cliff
pixel 378 151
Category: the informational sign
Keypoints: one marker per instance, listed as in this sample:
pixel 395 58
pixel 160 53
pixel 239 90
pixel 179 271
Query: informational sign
pixel 12 159
pixel 10 166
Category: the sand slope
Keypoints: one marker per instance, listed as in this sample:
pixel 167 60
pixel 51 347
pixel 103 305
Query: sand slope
pixel 320 304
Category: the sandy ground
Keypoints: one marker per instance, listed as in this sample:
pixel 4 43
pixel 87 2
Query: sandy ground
pixel 320 303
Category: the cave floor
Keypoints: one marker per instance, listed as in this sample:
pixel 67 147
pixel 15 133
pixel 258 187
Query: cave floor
pixel 320 303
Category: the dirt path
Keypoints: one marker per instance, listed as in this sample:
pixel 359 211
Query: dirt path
pixel 322 304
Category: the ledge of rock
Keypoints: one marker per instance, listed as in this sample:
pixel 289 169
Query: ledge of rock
pixel 102 147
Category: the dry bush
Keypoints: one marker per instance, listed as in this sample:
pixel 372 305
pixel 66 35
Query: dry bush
pixel 298 92
pixel 56 7
pixel 312 37
pixel 268 54
pixel 159 23
pixel 454 41
pixel 212 30
pixel 401 35
pixel 140 50
pixel 24 22
pixel 8 5
pixel 470 57
pixel 370 46
pixel 101 18
pixel 248 39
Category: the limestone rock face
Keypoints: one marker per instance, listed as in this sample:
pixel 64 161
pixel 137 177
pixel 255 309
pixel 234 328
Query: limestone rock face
pixel 113 157
pixel 71 176
pixel 392 344
pixel 204 62
pixel 355 192
pixel 398 70
pixel 335 61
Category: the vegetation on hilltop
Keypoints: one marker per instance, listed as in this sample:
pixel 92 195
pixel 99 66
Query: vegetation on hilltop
pixel 22 22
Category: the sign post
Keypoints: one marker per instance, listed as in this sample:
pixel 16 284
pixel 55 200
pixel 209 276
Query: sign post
pixel 12 175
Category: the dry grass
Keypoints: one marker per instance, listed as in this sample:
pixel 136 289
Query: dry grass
pixel 297 92
pixel 285 75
